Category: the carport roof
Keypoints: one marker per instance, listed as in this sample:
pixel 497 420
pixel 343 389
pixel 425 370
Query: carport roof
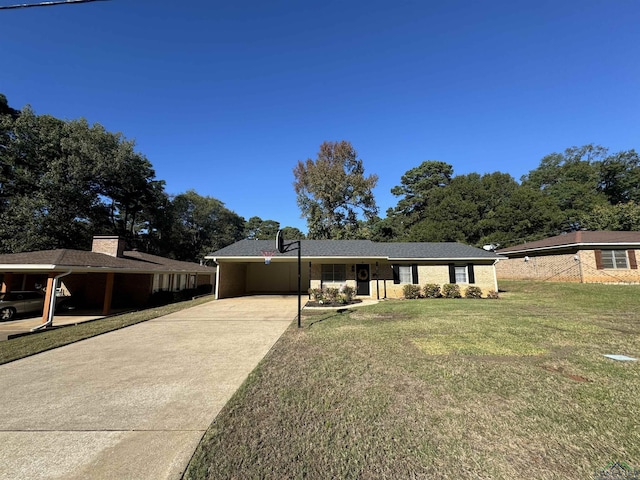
pixel 81 260
pixel 359 249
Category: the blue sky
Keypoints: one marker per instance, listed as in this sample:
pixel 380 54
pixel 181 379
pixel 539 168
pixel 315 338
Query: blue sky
pixel 226 97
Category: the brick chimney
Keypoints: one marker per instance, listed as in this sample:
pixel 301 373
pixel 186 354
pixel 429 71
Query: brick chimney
pixel 108 244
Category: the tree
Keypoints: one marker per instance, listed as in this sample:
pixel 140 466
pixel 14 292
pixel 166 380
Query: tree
pixel 292 233
pixel 63 181
pixel 571 179
pixel 258 229
pixel 333 192
pixel 416 185
pixel 5 109
pixel 202 225
pixel 46 187
pixel 623 216
pixel 477 209
pixel 619 177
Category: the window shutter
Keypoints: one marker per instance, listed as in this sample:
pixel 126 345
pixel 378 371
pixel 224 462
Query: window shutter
pixel 472 275
pixel 633 263
pixel 414 274
pixel 452 273
pixel 396 273
pixel 598 259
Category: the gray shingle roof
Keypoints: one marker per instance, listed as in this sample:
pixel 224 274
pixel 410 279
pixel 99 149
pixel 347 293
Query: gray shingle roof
pixel 131 261
pixel 358 249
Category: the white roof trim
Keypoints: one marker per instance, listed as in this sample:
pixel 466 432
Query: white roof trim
pixel 88 269
pixel 293 258
pixel 569 245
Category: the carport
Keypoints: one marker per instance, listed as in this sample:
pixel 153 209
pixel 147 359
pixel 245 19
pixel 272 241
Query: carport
pixel 253 277
pixel 105 273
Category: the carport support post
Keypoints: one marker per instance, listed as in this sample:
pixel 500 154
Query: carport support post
pixel 108 294
pixel 49 297
pixel 5 286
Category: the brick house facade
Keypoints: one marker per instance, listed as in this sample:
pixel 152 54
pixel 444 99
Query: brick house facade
pixel 582 257
pixel 374 270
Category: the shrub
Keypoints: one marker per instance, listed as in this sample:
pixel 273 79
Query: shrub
pixel 347 293
pixel 159 298
pixel 451 290
pixel 316 294
pixel 493 294
pixel 473 292
pixel 411 291
pixel 205 289
pixel 331 294
pixel 432 290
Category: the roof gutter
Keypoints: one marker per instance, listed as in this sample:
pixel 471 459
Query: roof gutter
pixel 571 245
pixel 90 269
pixel 52 302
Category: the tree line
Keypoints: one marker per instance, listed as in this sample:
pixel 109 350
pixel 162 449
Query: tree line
pixel 63 181
pixel 582 188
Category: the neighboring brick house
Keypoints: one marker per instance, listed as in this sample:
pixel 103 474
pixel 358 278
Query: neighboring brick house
pixel 105 277
pixel 585 257
pixel 375 270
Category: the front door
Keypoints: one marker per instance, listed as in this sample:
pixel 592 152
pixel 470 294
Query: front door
pixel 362 277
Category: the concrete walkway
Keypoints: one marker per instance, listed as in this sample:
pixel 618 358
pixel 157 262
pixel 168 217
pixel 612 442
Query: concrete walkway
pixel 133 404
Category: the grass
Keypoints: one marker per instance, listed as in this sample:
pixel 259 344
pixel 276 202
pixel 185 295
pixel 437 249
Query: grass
pixel 495 389
pixel 21 347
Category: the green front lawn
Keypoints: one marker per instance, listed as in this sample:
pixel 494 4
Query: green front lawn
pixel 496 389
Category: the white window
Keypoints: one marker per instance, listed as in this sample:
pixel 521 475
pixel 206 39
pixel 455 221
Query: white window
pixel 461 275
pixel 615 259
pixel 406 276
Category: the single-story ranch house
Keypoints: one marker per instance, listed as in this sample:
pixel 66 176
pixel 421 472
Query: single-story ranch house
pixel 103 278
pixel 375 270
pixel 582 256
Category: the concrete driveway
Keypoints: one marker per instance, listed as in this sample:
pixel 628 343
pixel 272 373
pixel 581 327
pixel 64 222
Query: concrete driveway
pixel 133 404
pixel 24 325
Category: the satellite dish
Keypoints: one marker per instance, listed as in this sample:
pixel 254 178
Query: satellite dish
pixel 280 242
pixel 491 247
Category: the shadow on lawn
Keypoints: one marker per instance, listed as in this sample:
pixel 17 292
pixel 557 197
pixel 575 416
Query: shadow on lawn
pixel 324 316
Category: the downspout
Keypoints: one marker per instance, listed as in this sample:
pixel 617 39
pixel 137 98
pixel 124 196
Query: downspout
pixel 217 289
pixel 495 275
pixel 52 302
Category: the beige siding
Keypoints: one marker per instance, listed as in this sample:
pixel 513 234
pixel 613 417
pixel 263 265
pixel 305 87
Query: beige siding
pixel 276 277
pixel 232 279
pixel 383 286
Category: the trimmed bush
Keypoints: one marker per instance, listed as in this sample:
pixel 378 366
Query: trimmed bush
pixel 331 294
pixel 432 290
pixel 411 292
pixel 451 290
pixel 473 292
pixel 493 295
pixel 346 293
pixel 316 294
